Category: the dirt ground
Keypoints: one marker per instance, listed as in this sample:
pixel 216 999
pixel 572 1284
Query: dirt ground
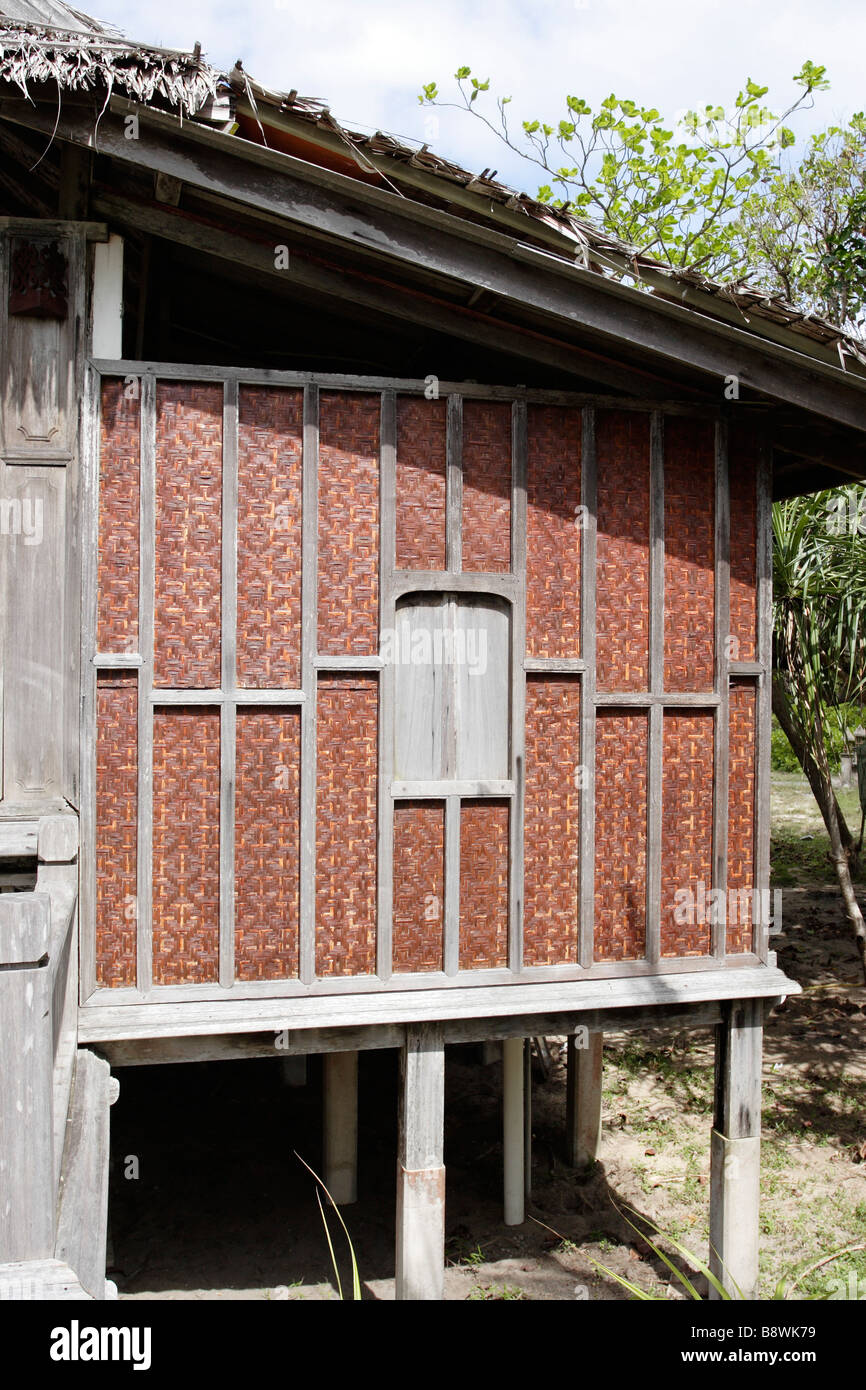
pixel 222 1209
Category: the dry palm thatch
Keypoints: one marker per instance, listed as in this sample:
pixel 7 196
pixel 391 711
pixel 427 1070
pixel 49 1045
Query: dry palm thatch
pixel 77 61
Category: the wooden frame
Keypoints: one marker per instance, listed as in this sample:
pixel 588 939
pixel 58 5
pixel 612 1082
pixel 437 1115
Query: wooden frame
pixel 393 585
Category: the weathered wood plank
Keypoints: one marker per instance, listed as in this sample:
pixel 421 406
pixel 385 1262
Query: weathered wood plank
pixel 387 685
pixel 309 644
pixel 721 727
pixel 583 1099
pixel 146 595
pixel 82 1222
pixel 519 466
pixel 100 1023
pixel 228 676
pixel 765 689
pixel 588 548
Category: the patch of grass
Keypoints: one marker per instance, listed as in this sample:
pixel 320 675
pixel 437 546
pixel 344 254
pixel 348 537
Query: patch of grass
pixel 494 1293
pixel 459 1252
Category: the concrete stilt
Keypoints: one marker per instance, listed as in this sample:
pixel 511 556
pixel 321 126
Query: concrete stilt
pixel 420 1168
pixel 583 1100
pixel 735 1158
pixel 340 1140
pixel 513 1131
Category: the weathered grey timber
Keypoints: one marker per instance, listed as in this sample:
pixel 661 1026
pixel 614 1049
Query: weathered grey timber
pixel 583 1100
pixel 420 1167
pixel 82 1221
pixel 340 1138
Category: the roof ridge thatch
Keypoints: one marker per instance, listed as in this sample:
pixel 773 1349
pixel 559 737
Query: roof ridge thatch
pixel 79 61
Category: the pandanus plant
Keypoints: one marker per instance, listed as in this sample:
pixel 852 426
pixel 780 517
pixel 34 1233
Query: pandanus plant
pixel 819 654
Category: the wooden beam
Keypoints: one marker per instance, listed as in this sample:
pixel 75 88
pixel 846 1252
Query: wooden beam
pixel 588 546
pixel 376 1037
pixel 402 231
pixel 82 1224
pixel 109 1022
pixel 374 294
pixel 721 727
pixel 76 165
pixel 583 1099
pixel 340 1125
pixel 399 230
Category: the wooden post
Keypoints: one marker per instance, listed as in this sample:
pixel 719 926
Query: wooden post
pixel 583 1100
pixel 340 1144
pixel 420 1169
pixel 28 1190
pixel 735 1160
pixel 513 1131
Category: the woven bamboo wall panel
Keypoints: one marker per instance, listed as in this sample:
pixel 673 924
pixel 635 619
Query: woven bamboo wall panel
pixel 421 485
pixel 270 438
pixel 690 473
pixel 419 886
pixel 483 884
pixel 119 463
pixel 621 744
pixel 116 828
pixel 743 472
pixel 553 532
pixel 267 843
pixel 189 424
pixel 741 812
pixel 687 826
pixel 347 741
pixel 622 589
pixel 349 524
pixel 552 820
pixel 186 845
pixel 486 486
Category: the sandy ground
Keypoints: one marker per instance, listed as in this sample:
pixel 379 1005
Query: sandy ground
pixel 222 1208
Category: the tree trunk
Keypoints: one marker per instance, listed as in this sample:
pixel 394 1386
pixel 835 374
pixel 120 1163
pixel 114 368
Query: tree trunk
pixel 821 788
pixel 841 841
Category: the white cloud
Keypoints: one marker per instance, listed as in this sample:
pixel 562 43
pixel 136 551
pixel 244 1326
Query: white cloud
pixel 369 60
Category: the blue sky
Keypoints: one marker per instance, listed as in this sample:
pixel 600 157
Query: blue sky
pixel 369 60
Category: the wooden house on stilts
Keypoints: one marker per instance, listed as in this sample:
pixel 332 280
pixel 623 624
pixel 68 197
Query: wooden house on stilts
pixel 385 575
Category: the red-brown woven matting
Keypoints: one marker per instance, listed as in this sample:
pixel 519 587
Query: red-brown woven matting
pixel 270 439
pixel 552 820
pixel 483 884
pixel 420 483
pixel 553 532
pixel 116 828
pixel 189 426
pixel 347 741
pixel 119 461
pixel 620 835
pixel 743 466
pixel 186 845
pixel 267 843
pixel 690 472
pixel 622 590
pixel 349 523
pixel 741 812
pixel 687 827
pixel 419 885
pixel 486 486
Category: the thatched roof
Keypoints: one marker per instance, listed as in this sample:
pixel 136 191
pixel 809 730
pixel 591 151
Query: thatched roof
pixel 60 50
pixel 45 41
